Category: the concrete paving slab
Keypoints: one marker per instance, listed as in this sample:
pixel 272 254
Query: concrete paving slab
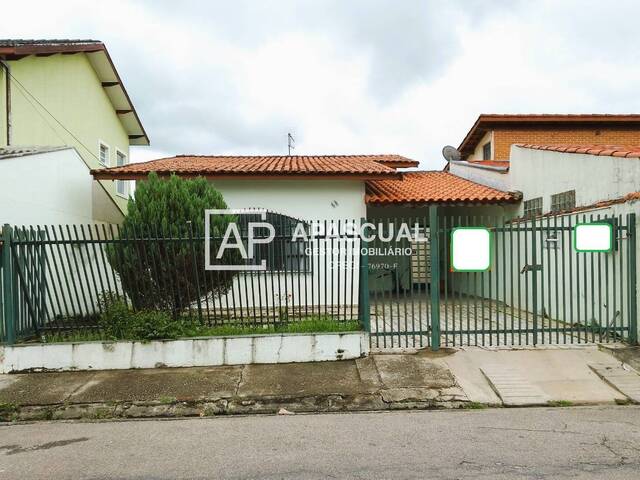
pixel 405 371
pixel 301 379
pixel 625 353
pixel 562 374
pixel 471 379
pixel 624 380
pixel 513 388
pixel 6 380
pixel 154 384
pixel 43 388
pixel 368 373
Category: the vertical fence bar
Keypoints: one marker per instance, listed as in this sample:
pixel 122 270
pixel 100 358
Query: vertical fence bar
pixel 364 288
pixel 534 281
pixel 7 286
pixel 435 278
pixel 633 299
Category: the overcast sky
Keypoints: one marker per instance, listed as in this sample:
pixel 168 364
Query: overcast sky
pixel 348 76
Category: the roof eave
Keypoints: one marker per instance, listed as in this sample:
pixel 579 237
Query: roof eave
pixel 105 174
pixel 449 203
pixel 137 135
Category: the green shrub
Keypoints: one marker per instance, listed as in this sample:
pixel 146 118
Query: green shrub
pixel 120 322
pixel 165 271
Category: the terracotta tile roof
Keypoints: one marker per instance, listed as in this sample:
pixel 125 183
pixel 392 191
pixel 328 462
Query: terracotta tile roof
pixel 489 121
pixel 397 161
pixel 605 150
pixel 433 187
pixel 364 166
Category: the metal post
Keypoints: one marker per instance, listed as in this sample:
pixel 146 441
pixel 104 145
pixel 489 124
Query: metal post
pixel 534 280
pixel 434 232
pixel 365 314
pixel 7 284
pixel 633 292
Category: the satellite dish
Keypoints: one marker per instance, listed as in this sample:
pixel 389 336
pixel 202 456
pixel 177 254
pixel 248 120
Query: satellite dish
pixel 451 154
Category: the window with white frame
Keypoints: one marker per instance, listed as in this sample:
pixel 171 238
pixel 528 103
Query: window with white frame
pixel 563 201
pixel 103 154
pixel 122 186
pixel 533 207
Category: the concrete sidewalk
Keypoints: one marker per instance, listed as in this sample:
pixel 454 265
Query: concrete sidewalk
pixel 469 378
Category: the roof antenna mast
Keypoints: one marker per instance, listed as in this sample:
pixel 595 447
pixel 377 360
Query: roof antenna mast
pixel 291 142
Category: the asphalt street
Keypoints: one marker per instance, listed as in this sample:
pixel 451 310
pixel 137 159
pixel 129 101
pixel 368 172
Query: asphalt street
pixel 536 443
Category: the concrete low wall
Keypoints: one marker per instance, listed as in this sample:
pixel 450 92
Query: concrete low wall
pixel 192 352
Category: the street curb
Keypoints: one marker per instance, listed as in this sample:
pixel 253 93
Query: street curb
pixel 173 408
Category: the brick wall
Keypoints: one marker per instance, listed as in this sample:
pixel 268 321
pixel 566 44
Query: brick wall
pixel 504 138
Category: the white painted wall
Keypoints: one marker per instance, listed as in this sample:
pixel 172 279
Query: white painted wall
pixel 541 173
pixel 45 188
pixel 485 176
pixel 594 178
pixel 304 199
pixel 333 283
pixel 191 352
pixel 48 188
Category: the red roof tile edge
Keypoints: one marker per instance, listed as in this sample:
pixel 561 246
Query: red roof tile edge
pixel 428 187
pixel 627 151
pixel 294 165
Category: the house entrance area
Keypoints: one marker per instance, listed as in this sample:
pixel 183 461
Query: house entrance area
pixel 539 289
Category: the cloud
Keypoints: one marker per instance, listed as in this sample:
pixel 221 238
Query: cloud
pixel 353 76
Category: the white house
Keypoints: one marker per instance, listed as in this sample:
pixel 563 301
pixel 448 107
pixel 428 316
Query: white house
pixel 334 188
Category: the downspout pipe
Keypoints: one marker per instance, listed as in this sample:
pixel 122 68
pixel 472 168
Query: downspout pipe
pixel 7 90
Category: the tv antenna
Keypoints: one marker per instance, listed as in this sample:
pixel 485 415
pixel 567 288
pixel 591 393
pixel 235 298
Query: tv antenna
pixel 291 142
pixel 451 154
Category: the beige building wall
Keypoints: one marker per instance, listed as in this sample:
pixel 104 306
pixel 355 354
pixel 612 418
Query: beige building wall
pixel 59 100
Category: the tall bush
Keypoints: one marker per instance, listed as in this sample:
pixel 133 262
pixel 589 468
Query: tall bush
pixel 159 255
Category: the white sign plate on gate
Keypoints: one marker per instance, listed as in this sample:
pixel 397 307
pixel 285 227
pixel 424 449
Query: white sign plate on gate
pixel 593 237
pixel 470 249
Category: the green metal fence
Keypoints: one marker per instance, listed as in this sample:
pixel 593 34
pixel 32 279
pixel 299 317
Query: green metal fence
pixel 54 277
pixel 538 289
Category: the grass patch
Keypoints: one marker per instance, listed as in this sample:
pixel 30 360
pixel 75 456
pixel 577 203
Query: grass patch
pixel 560 403
pixel 8 412
pixel 307 325
pixel 166 400
pixel 475 406
pixel 191 328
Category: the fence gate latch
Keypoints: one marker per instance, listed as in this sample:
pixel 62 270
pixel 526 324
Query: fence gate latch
pixel 531 268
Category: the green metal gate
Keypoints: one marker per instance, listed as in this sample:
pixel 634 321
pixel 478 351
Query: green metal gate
pixel 538 289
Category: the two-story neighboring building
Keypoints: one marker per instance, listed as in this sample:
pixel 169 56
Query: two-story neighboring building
pixel 62 93
pixel 589 164
pixel 491 136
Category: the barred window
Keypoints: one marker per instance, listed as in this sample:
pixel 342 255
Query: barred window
pixel 563 201
pixel 103 156
pixel 283 253
pixel 533 207
pixel 552 240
